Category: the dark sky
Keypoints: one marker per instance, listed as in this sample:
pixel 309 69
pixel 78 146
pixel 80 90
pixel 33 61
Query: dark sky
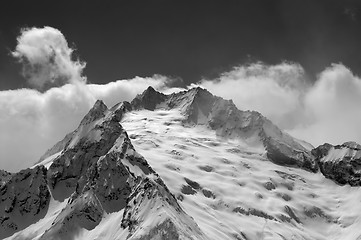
pixel 188 39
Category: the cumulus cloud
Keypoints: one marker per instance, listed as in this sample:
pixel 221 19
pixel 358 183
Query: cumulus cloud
pixel 333 107
pixel 47 59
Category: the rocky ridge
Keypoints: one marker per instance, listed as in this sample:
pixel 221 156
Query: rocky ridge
pixel 97 171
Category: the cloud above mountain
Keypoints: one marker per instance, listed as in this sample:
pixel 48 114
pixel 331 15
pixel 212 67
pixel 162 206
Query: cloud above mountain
pixel 47 58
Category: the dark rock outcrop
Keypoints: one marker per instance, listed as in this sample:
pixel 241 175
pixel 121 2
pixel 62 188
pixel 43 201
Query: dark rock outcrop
pixel 24 199
pixel 149 99
pixel 84 212
pixel 341 163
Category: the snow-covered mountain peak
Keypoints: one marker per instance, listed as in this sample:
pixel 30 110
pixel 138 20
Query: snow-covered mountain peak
pixel 196 103
pixel 97 111
pixel 210 175
pixel 89 129
pixel 95 173
pixel 200 107
pixel 149 99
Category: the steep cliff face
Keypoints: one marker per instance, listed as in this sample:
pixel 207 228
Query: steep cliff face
pixel 98 111
pixel 149 99
pixel 341 163
pixel 24 199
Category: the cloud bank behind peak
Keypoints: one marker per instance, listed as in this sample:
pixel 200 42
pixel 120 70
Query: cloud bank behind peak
pixel 325 111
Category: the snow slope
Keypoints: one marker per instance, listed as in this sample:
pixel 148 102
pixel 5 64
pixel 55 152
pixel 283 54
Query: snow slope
pixel 200 107
pixel 234 192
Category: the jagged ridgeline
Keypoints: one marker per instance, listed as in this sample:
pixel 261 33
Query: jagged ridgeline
pixel 93 172
pixel 94 184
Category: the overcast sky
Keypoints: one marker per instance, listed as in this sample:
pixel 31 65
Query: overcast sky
pixel 297 62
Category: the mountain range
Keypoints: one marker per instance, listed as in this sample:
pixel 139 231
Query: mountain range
pixel 188 165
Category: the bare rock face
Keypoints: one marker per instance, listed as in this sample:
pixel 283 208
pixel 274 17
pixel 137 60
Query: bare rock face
pixel 341 163
pixel 24 199
pixel 71 167
pixel 120 109
pixel 283 154
pixel 98 111
pixel 84 212
pixel 149 99
pixel 195 104
pixel 4 177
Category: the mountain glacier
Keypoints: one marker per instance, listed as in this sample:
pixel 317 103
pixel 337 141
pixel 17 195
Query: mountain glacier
pixel 188 165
